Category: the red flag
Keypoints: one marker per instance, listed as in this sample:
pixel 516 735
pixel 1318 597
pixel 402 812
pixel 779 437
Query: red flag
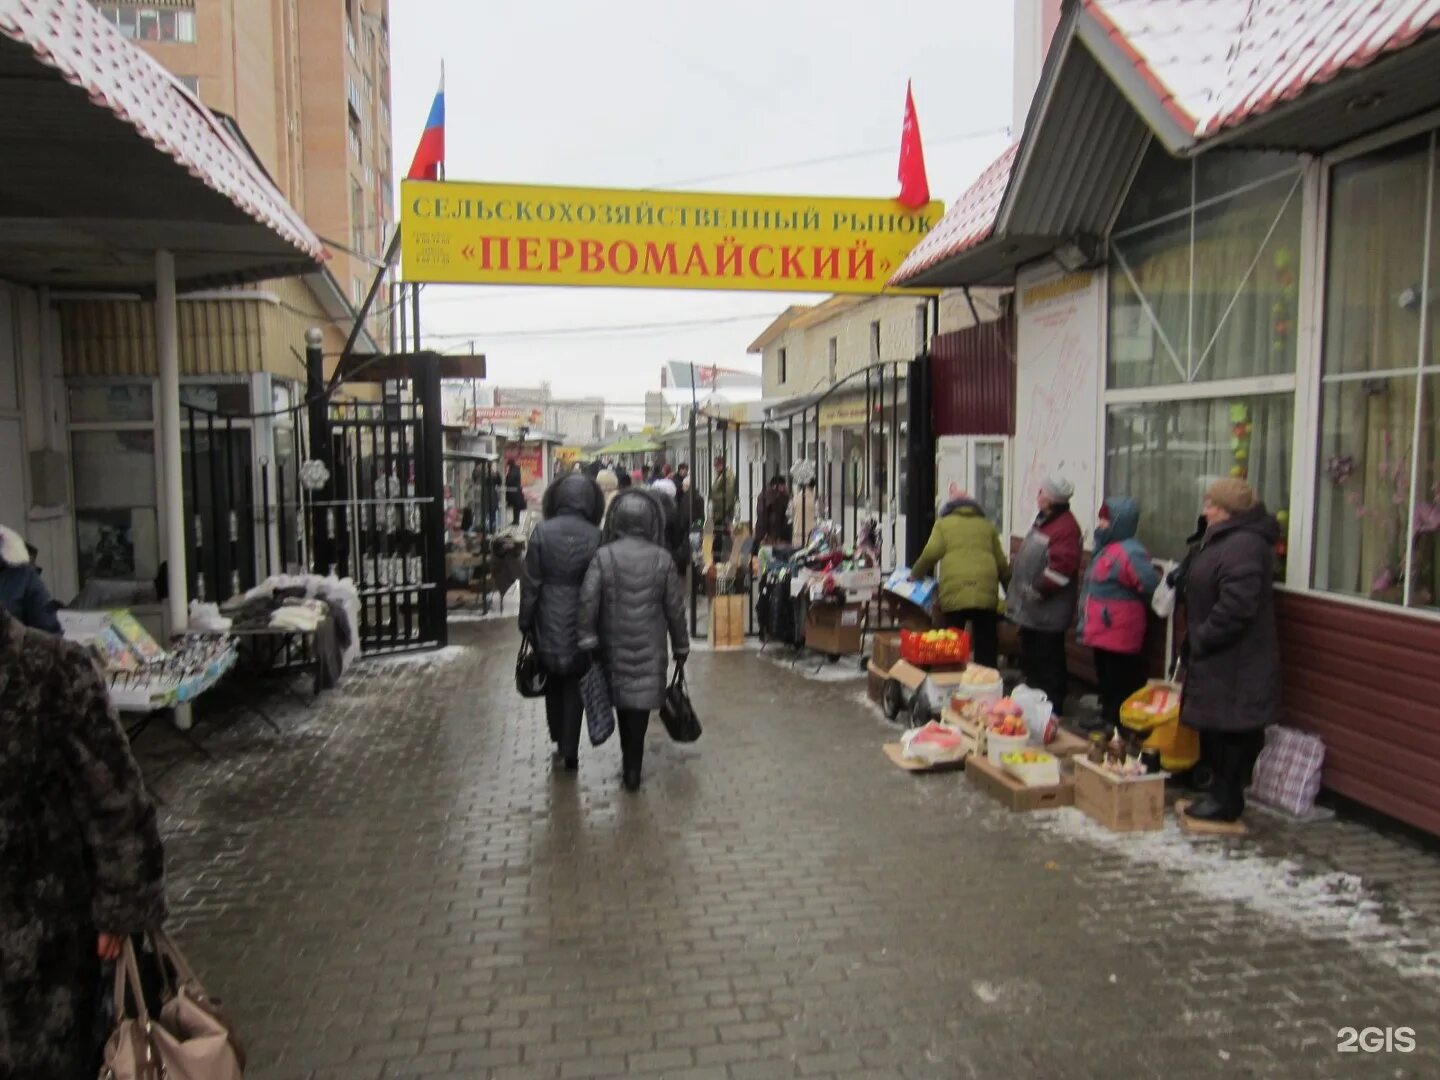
pixel 914 187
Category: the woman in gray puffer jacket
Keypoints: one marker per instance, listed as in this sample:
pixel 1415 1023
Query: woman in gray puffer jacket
pixel 558 554
pixel 631 597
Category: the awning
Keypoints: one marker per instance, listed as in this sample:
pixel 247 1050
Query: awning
pixel 633 444
pixel 109 158
pixel 1295 75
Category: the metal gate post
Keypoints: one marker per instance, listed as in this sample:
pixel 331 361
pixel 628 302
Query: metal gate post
pixel 920 508
pixel 319 408
pixel 432 464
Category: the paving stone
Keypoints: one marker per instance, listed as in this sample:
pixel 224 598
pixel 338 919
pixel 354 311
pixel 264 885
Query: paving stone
pixel 399 883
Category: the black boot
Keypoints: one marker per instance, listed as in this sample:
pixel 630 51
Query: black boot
pixel 571 764
pixel 1209 808
pixel 631 779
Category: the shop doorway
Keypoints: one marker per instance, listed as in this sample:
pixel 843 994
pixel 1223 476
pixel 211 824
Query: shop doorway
pixel 977 466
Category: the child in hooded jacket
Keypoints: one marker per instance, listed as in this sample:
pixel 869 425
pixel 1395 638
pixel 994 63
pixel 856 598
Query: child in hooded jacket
pixel 1115 605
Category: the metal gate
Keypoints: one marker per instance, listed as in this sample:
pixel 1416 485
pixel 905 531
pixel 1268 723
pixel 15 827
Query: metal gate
pixel 379 516
pixel 853 445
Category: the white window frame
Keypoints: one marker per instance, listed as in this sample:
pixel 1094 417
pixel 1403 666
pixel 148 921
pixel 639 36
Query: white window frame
pixel 1309 364
pixel 1220 389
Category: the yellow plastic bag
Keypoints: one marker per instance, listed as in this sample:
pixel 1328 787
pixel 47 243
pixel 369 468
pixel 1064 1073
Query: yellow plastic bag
pixel 1156 710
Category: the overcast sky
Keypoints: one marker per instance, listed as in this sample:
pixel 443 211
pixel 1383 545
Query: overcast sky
pixel 665 93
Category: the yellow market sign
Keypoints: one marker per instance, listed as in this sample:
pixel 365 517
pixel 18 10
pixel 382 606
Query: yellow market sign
pixel 463 233
pixel 843 413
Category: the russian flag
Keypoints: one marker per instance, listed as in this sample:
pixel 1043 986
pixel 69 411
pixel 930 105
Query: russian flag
pixel 429 160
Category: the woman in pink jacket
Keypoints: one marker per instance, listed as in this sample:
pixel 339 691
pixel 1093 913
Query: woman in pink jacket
pixel 1115 605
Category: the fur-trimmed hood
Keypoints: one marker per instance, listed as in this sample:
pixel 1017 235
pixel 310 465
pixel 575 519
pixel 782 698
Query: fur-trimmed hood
pixel 13 551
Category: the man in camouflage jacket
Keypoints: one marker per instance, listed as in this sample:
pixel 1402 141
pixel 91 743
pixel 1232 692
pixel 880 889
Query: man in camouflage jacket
pixel 79 848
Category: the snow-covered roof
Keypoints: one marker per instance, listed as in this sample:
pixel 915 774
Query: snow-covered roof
pixel 968 222
pixel 71 37
pixel 1216 64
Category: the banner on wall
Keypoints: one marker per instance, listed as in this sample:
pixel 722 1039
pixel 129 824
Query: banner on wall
pixel 469 233
pixel 1057 389
pixel 531 459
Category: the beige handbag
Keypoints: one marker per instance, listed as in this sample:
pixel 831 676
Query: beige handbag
pixel 190 1040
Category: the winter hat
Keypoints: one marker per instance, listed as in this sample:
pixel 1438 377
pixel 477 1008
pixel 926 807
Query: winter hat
pixel 1231 494
pixel 1058 488
pixel 665 486
pixel 607 480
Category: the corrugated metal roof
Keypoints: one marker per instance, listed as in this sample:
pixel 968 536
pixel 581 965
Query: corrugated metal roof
pixel 1215 65
pixel 1191 72
pixel 965 224
pixel 1077 155
pixel 72 38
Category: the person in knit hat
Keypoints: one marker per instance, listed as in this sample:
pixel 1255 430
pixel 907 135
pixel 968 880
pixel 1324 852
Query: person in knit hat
pixel 609 485
pixel 1045 589
pixel 1232 674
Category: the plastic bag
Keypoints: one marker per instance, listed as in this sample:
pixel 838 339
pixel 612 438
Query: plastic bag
pixel 599 709
pixel 1039 713
pixel 1287 773
pixel 1162 601
pixel 933 744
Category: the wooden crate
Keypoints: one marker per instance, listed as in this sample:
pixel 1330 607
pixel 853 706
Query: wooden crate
pixel 875 682
pixel 1014 795
pixel 727 622
pixel 1121 804
pixel 972 731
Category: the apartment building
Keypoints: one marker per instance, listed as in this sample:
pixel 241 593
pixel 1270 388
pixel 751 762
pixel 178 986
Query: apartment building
pixel 307 85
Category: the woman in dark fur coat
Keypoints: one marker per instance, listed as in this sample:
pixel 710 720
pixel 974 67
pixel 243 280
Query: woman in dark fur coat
pixel 82 860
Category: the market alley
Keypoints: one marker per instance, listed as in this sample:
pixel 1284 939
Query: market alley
pixel 399 883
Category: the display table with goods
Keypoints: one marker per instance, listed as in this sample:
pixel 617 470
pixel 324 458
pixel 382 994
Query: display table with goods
pixel 305 623
pixel 142 677
pixel 817 596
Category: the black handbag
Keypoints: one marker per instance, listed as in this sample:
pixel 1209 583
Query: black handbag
pixel 678 714
pixel 530 674
pixel 599 709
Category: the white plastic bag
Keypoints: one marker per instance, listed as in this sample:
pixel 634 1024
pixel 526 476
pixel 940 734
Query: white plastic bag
pixel 1039 713
pixel 1162 601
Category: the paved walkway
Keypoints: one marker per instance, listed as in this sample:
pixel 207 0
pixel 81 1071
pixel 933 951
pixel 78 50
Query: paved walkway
pixel 397 884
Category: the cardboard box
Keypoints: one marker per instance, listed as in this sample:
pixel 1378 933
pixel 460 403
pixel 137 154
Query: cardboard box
pixel 875 682
pixel 1014 795
pixel 727 622
pixel 834 628
pixel 1067 745
pixel 896 753
pixel 885 649
pixel 905 614
pixel 1121 804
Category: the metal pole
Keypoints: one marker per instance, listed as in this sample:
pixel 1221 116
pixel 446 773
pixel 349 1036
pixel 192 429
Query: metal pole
pixel 318 407
pixel 167 343
pixel 689 505
pixel 431 470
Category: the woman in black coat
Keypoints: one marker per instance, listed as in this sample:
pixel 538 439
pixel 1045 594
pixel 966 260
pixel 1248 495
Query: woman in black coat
pixel 1232 676
pixel 631 598
pixel 556 560
pixel 514 491
pixel 80 854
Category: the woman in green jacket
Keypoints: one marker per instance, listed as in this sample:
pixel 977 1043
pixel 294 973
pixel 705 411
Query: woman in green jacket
pixel 973 566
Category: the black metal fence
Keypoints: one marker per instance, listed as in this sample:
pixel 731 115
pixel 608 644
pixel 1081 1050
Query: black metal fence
pixel 244 517
pixel 856 434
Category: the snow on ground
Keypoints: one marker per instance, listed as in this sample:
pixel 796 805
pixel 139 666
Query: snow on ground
pixel 434 658
pixel 814 666
pixel 1334 906
pixel 499 609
